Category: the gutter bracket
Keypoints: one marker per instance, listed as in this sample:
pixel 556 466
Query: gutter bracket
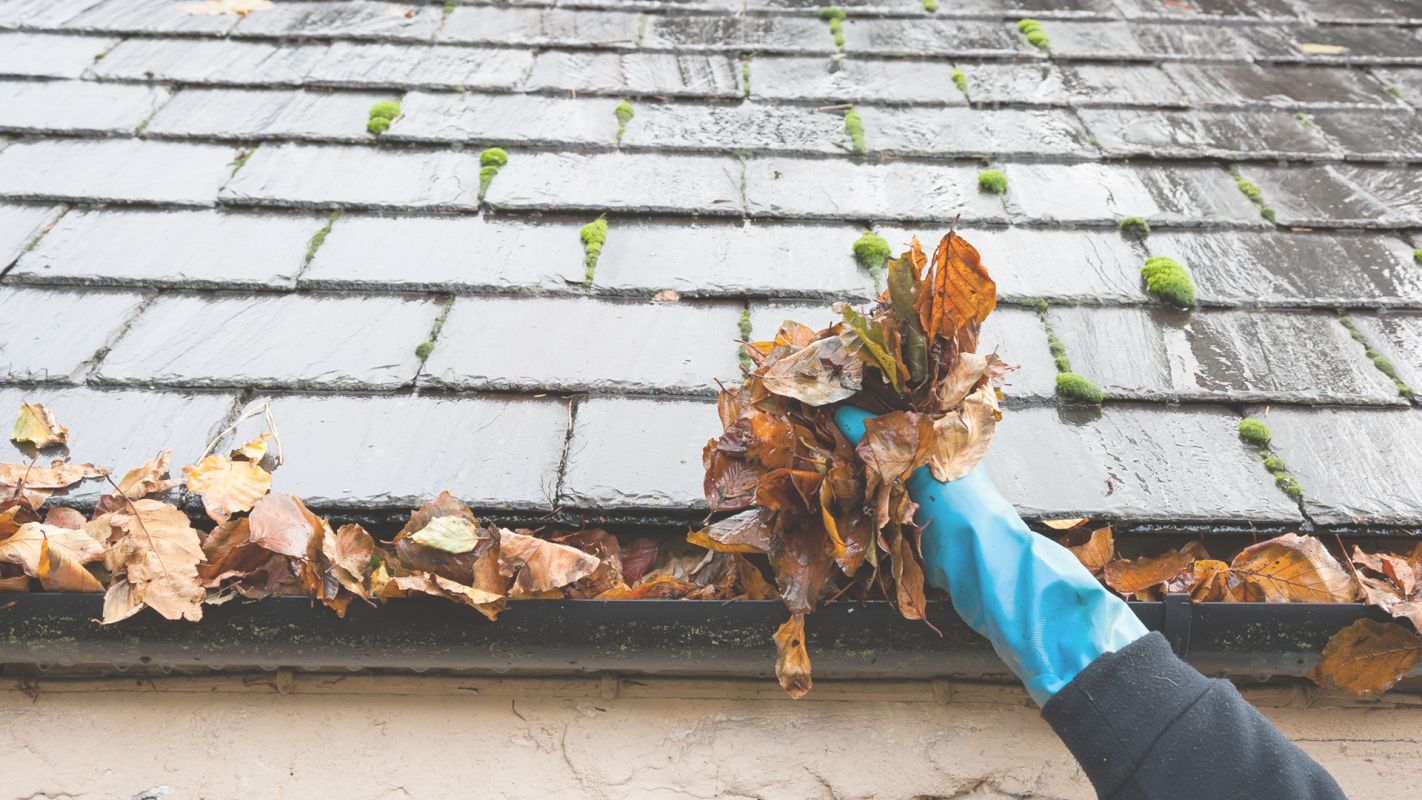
pixel 1175 624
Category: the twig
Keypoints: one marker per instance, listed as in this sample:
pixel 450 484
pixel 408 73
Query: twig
pixel 265 410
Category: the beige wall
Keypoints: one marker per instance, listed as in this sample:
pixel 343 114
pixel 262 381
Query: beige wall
pixel 357 737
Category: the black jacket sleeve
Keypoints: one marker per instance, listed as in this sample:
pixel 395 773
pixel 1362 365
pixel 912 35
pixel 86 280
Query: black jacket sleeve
pixel 1144 725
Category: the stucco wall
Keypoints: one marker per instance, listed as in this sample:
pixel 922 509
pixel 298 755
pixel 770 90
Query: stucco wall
pixel 357 737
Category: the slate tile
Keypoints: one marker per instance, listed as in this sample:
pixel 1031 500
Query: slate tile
pixel 1071 84
pixel 1038 133
pixel 1204 134
pixel 356 64
pixel 1029 83
pixel 649 183
pixel 208 61
pixel 1362 12
pixel 541 27
pixel 51 335
pixel 1210 10
pixel 1398 337
pixel 729 259
pixel 391 452
pixel 115 170
pixel 1041 9
pixel 1398 189
pixel 171 248
pixel 654 74
pixel 505 119
pixel 1364 44
pixel 1356 466
pixel 1315 196
pixel 1142 41
pixel 19 225
pixel 788 187
pixel 47 55
pixel 638 453
pixel 1105 193
pixel 1233 268
pixel 1407 82
pixel 76 107
pixel 1279 86
pixel 121 429
pixel 854 7
pixel 728 6
pixel 759 34
pixel 148 17
pixel 445 253
pixel 935 37
pixel 240 340
pixel 1133 462
pixel 256 114
pixel 40 13
pixel 1373 135
pixel 585 344
pixel 316 175
pixel 1164 354
pixel 853 80
pixel 354 19
pixel 748 126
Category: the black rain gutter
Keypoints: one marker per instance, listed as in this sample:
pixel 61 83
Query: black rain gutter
pixel 730 639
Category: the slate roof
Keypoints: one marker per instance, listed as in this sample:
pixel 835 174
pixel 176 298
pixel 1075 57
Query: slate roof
pixel 163 174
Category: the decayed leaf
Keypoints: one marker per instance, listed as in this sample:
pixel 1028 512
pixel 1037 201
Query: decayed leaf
pixel 450 534
pixel 1289 568
pixel 792 661
pixel 15 512
pixel 36 426
pixel 1391 583
pixel 159 556
pixel 55 556
pixel 960 438
pixel 746 532
pixel 282 524
pixel 486 603
pixel 349 553
pixel 1367 658
pixel 538 565
pixel 827 371
pixel 959 290
pixel 58 475
pixel 148 478
pixel 1129 576
pixel 226 486
pixel 1096 552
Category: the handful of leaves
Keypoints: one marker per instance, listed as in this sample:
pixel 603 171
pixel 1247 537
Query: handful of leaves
pixel 835 518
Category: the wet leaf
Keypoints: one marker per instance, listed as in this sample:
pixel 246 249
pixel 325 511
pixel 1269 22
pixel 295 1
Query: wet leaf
pixel 827 371
pixel 227 487
pixel 539 565
pixel 450 534
pixel 792 661
pixel 1096 551
pixel 1367 658
pixel 960 438
pixel 158 555
pixel 1290 569
pixel 746 532
pixel 282 524
pixel 959 290
pixel 1129 576
pixel 37 427
pixel 486 603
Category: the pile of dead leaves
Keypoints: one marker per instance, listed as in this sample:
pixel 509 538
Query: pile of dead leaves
pixel 143 551
pixel 832 518
pixel 1365 658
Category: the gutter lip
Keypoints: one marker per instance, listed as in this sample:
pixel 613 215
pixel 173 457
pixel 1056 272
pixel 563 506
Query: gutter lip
pixel 643 637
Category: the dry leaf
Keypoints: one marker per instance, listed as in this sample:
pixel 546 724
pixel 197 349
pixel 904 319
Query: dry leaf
pixel 218 7
pixel 58 475
pixel 538 565
pixel 792 661
pixel 226 486
pixel 960 439
pixel 1320 49
pixel 55 556
pixel 486 603
pixel 450 534
pixel 1367 658
pixel 1065 524
pixel 746 532
pixel 1289 569
pixel 1096 552
pixel 254 450
pixel 159 556
pixel 349 553
pixel 148 478
pixel 37 427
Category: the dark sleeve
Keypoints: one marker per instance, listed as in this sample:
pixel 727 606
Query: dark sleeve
pixel 1144 725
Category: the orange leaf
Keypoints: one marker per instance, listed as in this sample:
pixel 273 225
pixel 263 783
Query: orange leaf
pixel 959 289
pixel 1095 553
pixel 227 486
pixel 792 661
pixel 1129 576
pixel 158 555
pixel 282 524
pixel 1290 569
pixel 1367 658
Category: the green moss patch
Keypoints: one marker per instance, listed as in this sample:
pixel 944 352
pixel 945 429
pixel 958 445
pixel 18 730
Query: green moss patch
pixel 1255 432
pixel 992 180
pixel 1417 255
pixel 835 16
pixel 423 350
pixel 319 237
pixel 381 115
pixel 871 251
pixel 1074 388
pixel 1134 226
pixel 854 126
pixel 960 80
pixel 931 6
pixel 1380 361
pixel 624 113
pixel 1036 37
pixel 1166 279
pixel 594 236
pixel 490 160
pixel 745 330
pixel 1251 190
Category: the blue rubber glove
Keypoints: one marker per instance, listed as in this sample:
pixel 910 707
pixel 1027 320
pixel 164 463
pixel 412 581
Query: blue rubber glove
pixel 1044 613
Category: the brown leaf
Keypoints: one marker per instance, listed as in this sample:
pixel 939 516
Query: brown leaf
pixel 58 475
pixel 746 532
pixel 55 556
pixel 1207 581
pixel 1290 569
pixel 15 512
pixel 538 565
pixel 958 289
pixel 486 603
pixel 36 426
pixel 638 556
pixel 282 524
pixel 792 661
pixel 827 371
pixel 159 555
pixel 1129 576
pixel 1367 658
pixel 147 478
pixel 226 486
pixel 960 438
pixel 893 445
pixel 349 553
pixel 1096 552
pixel 61 517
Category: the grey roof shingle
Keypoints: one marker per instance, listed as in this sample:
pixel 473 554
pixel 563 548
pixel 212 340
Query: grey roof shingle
pixel 431 335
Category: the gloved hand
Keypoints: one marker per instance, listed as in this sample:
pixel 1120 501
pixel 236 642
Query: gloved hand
pixel 1044 613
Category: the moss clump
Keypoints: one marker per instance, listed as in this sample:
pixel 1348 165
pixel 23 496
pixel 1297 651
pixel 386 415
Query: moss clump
pixel 319 237
pixel 1417 255
pixel 1255 432
pixel 1382 362
pixel 1267 213
pixel 1036 37
pixel 745 76
pixel 450 5
pixel 960 80
pixel 745 329
pixel 423 350
pixel 1134 226
pixel 624 113
pixel 1273 463
pixel 854 126
pixel 1075 388
pixel 871 251
pixel 489 162
pixel 992 180
pixel 835 16
pixel 594 236
pixel 1250 189
pixel 1169 281
pixel 381 115
pixel 377 126
pixel 931 6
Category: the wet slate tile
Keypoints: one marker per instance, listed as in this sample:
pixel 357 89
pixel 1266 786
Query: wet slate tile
pixel 76 107
pixel 355 19
pixel 1071 84
pixel 1278 85
pixel 1234 268
pixel 728 6
pixel 255 114
pixel 1407 82
pixel 506 119
pixel 1026 84
pixel 147 17
pixel 1364 44
pixel 316 175
pixel 1133 462
pixel 121 428
pixel 788 187
pixel 730 259
pixel 1372 135
pixel 1204 134
pixel 1398 189
pixel 1018 337
pixel 622 454
pixel 744 127
pixel 46 55
pixel 1266 356
pixel 866 8
pixel 115 170
pixel 1210 10
pixel 649 183
pixel 446 253
pixel 759 34
pixel 391 452
pixel 1362 12
pixel 249 340
pixel 767 317
pixel 40 13
pixel 1105 193
pixel 654 74
pixel 51 335
pixel 208 61
pixel 357 64
pixel 935 37
pixel 1314 196
pixel 1399 338
pixel 541 27
pixel 1036 133
pixel 1041 9
pixel 1356 466
pixel 1142 41
pixel 586 344
pixel 171 248
pixel 19 225
pixel 852 80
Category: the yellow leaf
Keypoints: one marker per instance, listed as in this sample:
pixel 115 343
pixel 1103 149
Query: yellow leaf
pixel 1290 569
pixel 254 450
pixel 37 426
pixel 218 7
pixel 1367 658
pixel 226 486
pixel 960 438
pixel 147 478
pixel 792 661
pixel 450 534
